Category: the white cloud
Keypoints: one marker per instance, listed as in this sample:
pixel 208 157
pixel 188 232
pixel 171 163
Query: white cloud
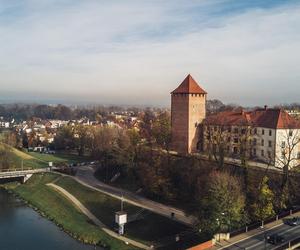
pixel 137 52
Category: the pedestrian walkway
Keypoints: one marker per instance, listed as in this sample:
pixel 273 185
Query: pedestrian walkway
pixel 93 218
pixel 85 176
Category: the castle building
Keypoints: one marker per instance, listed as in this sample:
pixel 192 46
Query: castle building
pixel 265 135
pixel 188 111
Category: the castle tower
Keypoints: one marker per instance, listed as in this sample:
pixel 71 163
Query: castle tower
pixel 188 110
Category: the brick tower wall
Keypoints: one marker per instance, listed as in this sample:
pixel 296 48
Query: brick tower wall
pixel 197 113
pixel 187 111
pixel 179 115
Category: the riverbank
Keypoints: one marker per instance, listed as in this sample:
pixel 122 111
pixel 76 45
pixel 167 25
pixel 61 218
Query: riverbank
pixel 61 211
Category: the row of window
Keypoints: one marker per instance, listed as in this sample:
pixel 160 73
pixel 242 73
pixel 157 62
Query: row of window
pixel 243 130
pixel 262 142
pixel 262 153
pixel 255 152
pixel 255 131
pixel 236 140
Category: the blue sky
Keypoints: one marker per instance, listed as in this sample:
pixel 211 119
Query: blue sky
pixel 136 52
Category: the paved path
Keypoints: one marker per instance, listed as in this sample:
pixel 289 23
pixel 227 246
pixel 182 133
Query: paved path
pixel 92 217
pixel 85 176
pixel 254 239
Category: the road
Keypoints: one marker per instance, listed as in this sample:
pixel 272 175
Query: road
pixel 85 175
pixel 257 242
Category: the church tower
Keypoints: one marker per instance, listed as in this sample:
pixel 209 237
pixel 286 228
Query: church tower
pixel 188 109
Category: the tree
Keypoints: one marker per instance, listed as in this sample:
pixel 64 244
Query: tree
pixel 223 205
pixel 217 138
pixel 287 157
pixel 154 175
pixel 81 135
pixel 11 138
pixel 146 125
pixel 63 112
pixel 162 130
pixel 64 138
pixel 263 207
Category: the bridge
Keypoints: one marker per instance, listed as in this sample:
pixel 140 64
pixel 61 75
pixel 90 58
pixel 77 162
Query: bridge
pixel 24 174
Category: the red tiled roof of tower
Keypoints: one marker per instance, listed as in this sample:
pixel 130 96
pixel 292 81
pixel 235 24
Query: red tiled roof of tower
pixel 266 118
pixel 189 86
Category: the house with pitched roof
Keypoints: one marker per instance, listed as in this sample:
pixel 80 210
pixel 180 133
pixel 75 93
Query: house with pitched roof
pixel 268 135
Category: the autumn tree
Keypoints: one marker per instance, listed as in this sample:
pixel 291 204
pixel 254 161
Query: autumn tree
pixel 223 206
pixel 217 138
pixel 64 138
pixel 146 126
pixel 81 137
pixel 263 207
pixel 162 130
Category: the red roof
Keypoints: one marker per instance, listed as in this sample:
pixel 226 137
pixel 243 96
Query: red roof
pixel 274 118
pixel 229 118
pixel 189 86
pixel 266 118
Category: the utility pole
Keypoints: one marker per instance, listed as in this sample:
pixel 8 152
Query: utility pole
pixel 122 203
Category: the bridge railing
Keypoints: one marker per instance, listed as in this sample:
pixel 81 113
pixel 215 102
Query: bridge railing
pixel 15 170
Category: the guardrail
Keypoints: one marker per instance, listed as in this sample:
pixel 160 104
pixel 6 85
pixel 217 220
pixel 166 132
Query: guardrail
pixel 256 225
pixel 289 244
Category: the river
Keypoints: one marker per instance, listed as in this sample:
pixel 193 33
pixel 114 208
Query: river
pixel 22 228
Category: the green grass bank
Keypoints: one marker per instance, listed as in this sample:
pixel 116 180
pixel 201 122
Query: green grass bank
pixel 61 211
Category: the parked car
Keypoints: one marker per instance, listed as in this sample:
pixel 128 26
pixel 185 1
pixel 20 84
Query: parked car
pixel 295 221
pixel 275 239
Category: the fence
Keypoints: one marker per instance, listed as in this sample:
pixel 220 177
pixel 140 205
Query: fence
pixel 261 223
pixel 289 244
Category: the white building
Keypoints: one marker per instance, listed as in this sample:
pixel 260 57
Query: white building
pixel 264 135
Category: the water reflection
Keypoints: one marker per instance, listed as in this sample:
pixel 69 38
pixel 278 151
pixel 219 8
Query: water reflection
pixel 21 228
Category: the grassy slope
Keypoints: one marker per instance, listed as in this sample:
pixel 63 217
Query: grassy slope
pixel 16 157
pixel 151 228
pixel 58 158
pixel 36 160
pixel 60 210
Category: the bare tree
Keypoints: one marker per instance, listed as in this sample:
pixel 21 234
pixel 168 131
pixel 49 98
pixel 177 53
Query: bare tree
pixel 287 156
pixel 217 142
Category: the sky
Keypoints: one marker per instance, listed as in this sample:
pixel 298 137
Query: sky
pixel 135 52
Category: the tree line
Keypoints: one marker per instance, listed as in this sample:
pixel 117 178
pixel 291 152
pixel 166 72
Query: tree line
pixel 21 112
